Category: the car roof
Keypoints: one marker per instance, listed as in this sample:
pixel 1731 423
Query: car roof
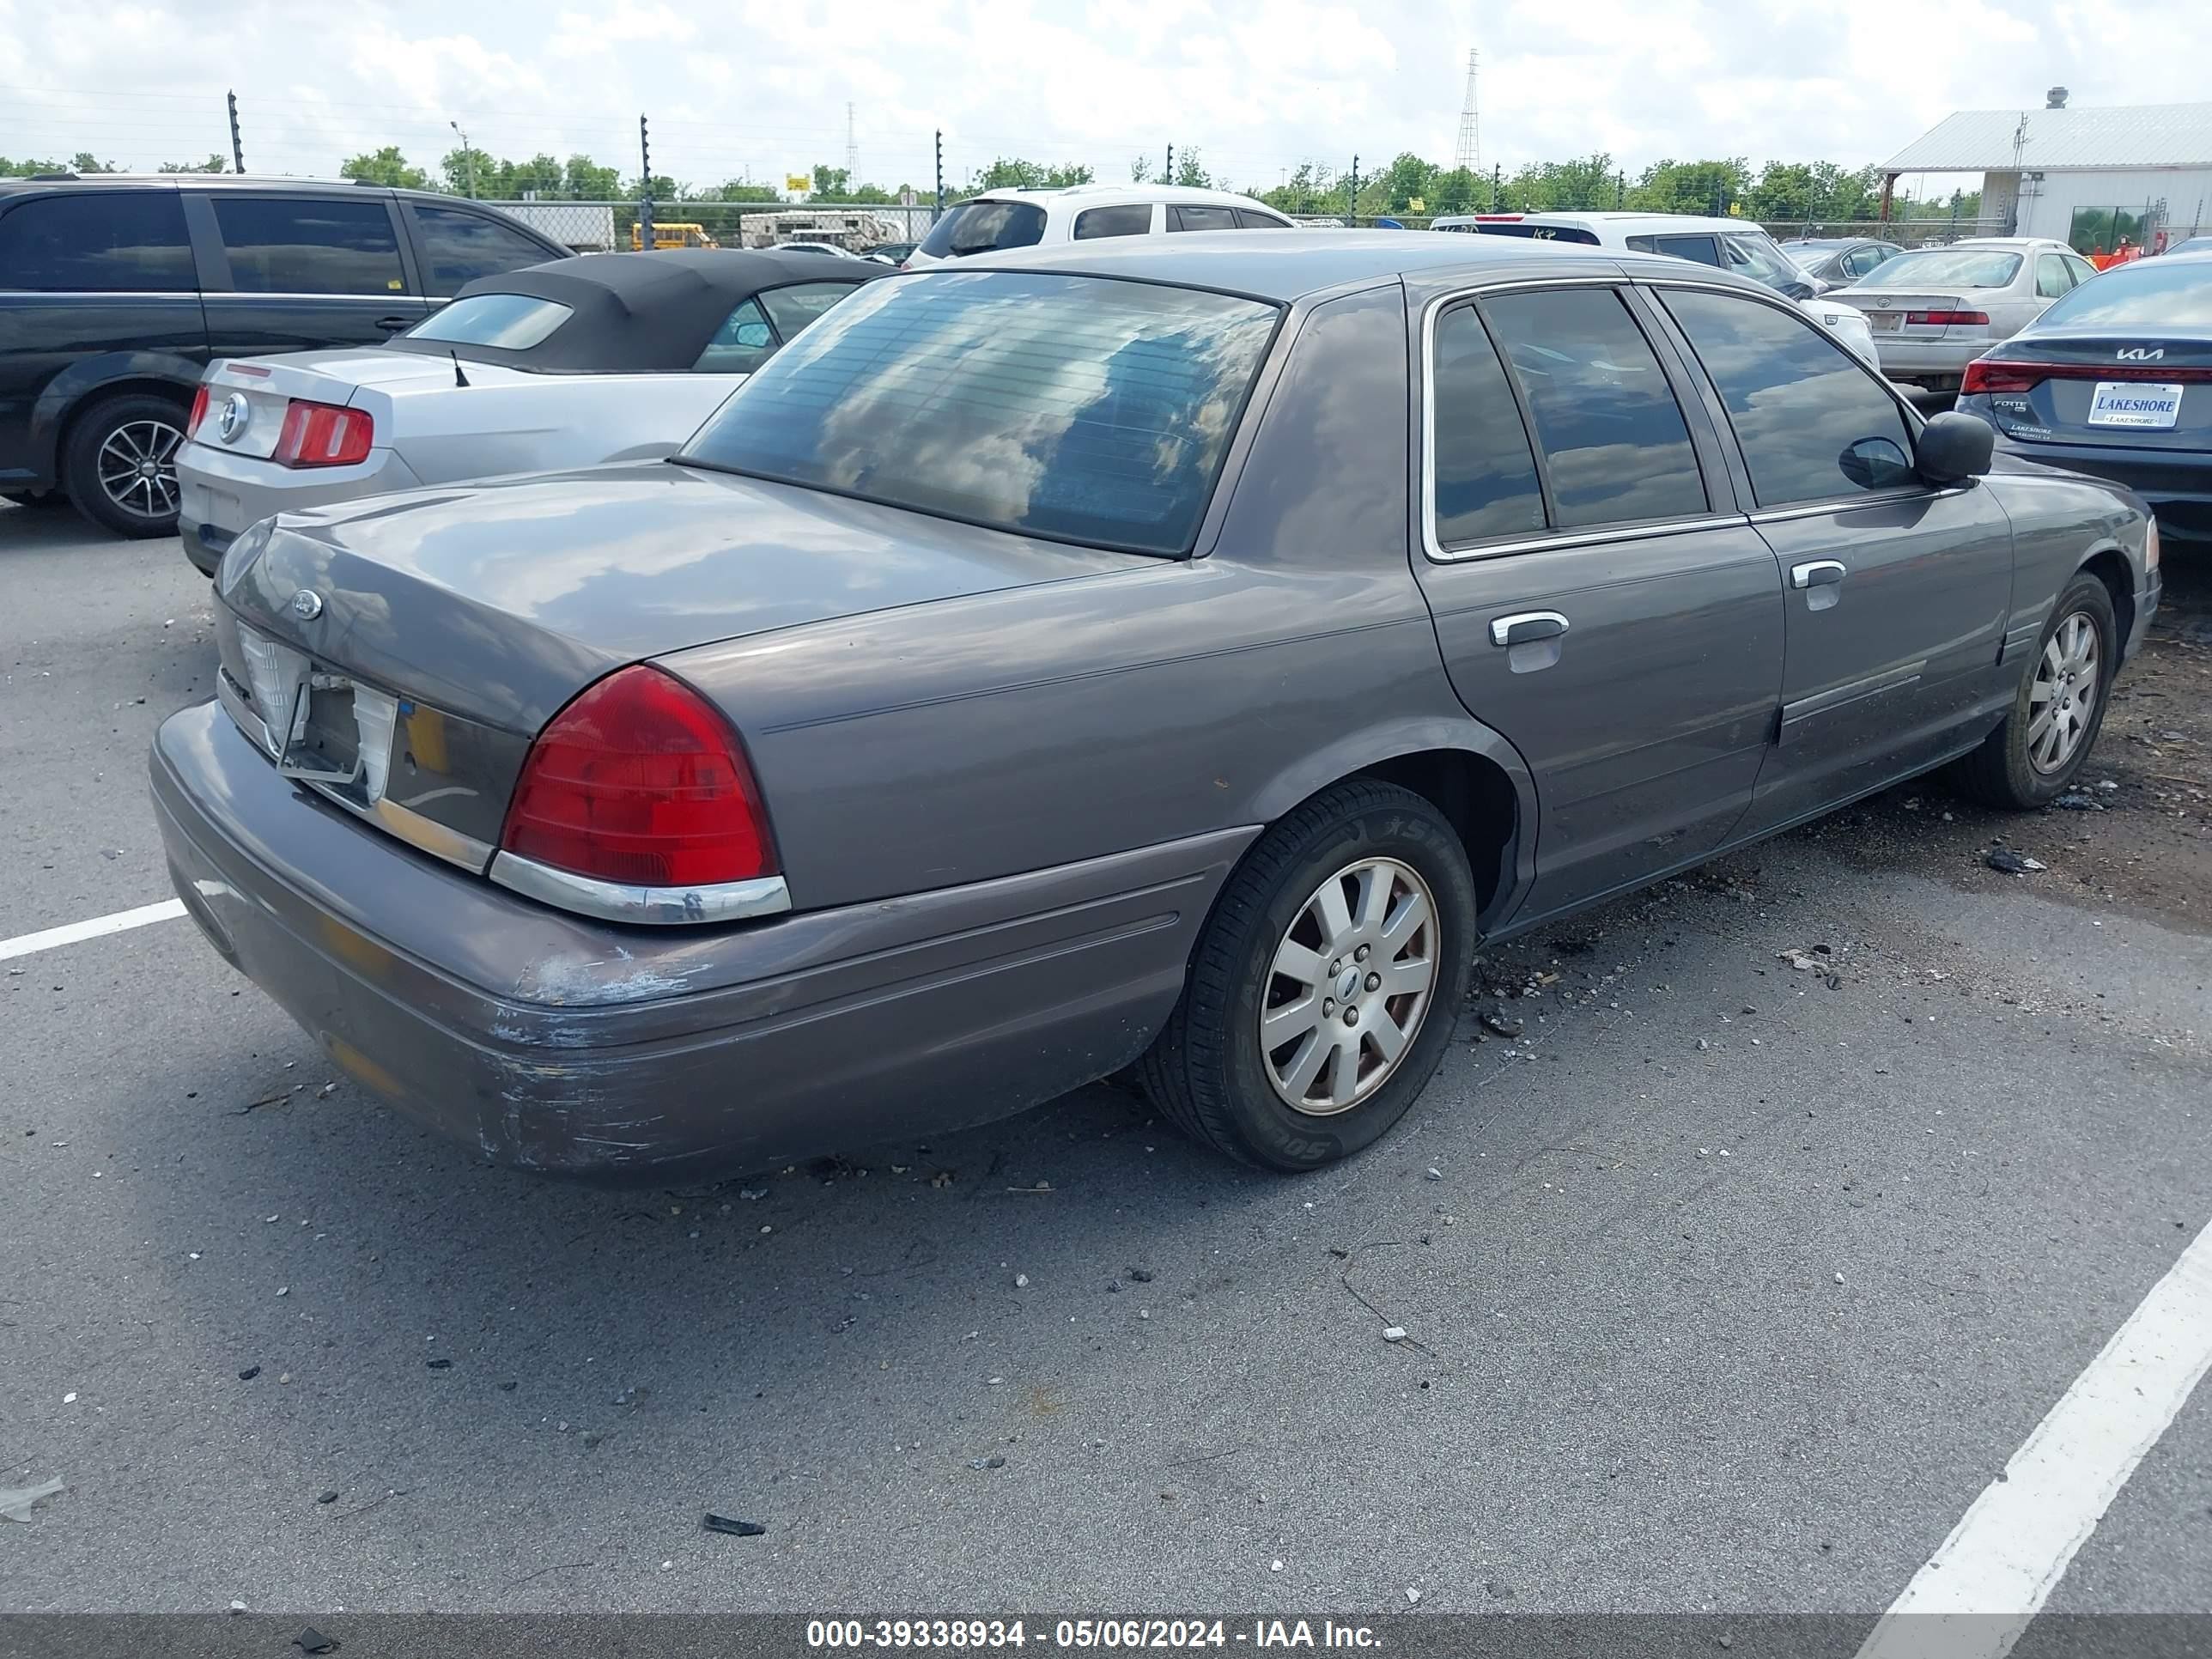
pixel 1286 268
pixel 1627 224
pixel 64 183
pixel 2006 243
pixel 1117 195
pixel 642 313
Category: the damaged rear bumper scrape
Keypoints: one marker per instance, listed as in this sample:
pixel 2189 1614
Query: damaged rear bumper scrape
pixel 554 1042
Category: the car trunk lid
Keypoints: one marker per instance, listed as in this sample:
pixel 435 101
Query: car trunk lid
pixel 267 386
pixel 2136 390
pixel 1918 316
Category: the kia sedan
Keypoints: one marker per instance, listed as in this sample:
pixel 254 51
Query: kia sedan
pixel 2115 379
pixel 1181 651
pixel 1936 310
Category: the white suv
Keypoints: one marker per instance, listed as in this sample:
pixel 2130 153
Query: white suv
pixel 1727 244
pixel 1026 218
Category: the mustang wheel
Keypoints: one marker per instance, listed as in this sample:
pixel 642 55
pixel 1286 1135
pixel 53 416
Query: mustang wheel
pixel 2045 741
pixel 1324 986
pixel 121 464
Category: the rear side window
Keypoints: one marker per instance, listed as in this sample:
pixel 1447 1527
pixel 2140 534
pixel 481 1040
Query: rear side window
pixel 1074 407
pixel 978 226
pixel 459 246
pixel 1248 220
pixel 1616 448
pixel 791 308
pixel 741 344
pixel 2051 277
pixel 1131 219
pixel 1812 423
pixel 1485 474
pixel 104 241
pixel 1706 250
pixel 512 322
pixel 285 244
pixel 1183 217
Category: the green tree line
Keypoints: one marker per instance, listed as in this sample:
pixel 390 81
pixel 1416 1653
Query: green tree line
pixel 1407 184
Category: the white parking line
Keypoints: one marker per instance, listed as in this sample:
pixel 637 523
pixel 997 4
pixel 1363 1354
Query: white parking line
pixel 1975 1596
pixel 24 945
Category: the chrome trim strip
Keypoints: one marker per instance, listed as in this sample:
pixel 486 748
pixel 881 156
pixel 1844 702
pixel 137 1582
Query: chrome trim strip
pixel 427 835
pixel 1845 503
pixel 729 901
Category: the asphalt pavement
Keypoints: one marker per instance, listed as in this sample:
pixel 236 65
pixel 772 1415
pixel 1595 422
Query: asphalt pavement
pixel 1727 1284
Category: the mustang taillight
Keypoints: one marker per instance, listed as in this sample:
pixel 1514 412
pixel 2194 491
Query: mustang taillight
pixel 323 434
pixel 199 410
pixel 641 782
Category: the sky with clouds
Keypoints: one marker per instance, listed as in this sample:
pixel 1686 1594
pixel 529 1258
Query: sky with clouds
pixel 762 86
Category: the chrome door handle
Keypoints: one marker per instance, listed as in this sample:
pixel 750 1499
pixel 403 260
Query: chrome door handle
pixel 1528 625
pixel 1821 573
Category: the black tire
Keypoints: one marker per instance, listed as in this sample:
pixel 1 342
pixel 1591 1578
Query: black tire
pixel 1206 1072
pixel 2004 771
pixel 97 445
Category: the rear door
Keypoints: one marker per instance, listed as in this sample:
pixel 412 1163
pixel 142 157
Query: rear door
pixel 1597 598
pixel 1898 593
pixel 301 272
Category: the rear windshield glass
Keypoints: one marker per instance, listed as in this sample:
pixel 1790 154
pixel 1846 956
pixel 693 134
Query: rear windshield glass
pixel 513 322
pixel 1074 407
pixel 1539 233
pixel 2155 292
pixel 978 226
pixel 1951 267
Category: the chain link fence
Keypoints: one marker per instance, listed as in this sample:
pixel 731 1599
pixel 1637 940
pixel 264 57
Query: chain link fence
pixel 605 227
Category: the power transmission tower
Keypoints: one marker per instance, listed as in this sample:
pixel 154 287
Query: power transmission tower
pixel 1468 156
pixel 852 151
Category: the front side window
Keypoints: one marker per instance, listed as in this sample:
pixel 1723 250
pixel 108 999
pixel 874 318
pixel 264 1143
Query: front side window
pixel 459 246
pixel 980 226
pixel 2051 277
pixel 510 322
pixel 1812 423
pixel 1183 217
pixel 292 245
pixel 1615 447
pixel 744 342
pixel 1129 219
pixel 1080 408
pixel 100 241
pixel 1484 480
pixel 793 307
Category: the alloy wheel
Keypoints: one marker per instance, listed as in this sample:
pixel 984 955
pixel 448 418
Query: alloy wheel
pixel 137 468
pixel 2063 694
pixel 1348 986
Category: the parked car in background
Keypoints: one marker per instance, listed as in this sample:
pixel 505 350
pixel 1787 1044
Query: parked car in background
pixel 890 253
pixel 1838 261
pixel 1000 219
pixel 605 356
pixel 2192 245
pixel 1934 310
pixel 1723 244
pixel 2115 379
pixel 116 291
pixel 1176 650
pixel 828 250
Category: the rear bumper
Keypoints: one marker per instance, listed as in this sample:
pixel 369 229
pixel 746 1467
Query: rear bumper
pixel 551 1042
pixel 2177 487
pixel 221 494
pixel 1938 364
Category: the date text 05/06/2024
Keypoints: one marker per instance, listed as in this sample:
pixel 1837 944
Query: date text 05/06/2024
pixel 1139 1634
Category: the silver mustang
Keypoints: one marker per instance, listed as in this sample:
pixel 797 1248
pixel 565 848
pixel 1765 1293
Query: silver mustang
pixel 1183 651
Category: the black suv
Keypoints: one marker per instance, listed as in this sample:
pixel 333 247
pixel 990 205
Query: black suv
pixel 115 292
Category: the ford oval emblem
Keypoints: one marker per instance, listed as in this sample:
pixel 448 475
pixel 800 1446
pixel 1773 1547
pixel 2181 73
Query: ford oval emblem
pixel 307 604
pixel 237 415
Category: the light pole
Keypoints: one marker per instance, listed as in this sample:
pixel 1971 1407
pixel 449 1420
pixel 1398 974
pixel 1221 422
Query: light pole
pixel 468 155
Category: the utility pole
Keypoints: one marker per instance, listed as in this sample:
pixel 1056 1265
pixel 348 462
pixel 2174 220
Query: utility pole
pixel 1497 180
pixel 852 151
pixel 1468 157
pixel 468 157
pixel 940 172
pixel 1353 203
pixel 237 148
pixel 644 185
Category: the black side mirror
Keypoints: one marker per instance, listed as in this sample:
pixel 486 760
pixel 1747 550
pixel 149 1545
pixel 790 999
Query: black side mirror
pixel 1954 447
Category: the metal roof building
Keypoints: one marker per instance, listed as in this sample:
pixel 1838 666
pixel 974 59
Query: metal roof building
pixel 2088 176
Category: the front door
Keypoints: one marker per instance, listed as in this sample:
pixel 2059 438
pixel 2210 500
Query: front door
pixel 306 272
pixel 1897 592
pixel 1598 601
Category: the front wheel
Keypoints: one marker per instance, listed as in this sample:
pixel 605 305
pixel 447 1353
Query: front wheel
pixel 1325 985
pixel 2044 742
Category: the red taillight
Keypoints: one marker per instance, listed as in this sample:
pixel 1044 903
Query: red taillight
pixel 1984 377
pixel 1946 319
pixel 199 410
pixel 639 781
pixel 1993 375
pixel 323 434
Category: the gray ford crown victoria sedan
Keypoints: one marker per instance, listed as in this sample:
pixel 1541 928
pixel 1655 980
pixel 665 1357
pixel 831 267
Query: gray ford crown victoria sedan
pixel 1181 651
